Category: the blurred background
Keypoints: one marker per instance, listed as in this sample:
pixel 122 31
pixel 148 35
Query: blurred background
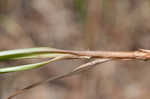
pixel 110 25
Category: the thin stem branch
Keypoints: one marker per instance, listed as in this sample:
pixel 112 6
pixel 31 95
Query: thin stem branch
pixel 141 54
pixel 79 69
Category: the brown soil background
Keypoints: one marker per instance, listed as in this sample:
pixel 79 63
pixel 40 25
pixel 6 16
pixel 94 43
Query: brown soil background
pixel 114 25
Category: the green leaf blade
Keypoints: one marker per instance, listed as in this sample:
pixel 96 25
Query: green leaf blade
pixel 42 52
pixel 28 66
